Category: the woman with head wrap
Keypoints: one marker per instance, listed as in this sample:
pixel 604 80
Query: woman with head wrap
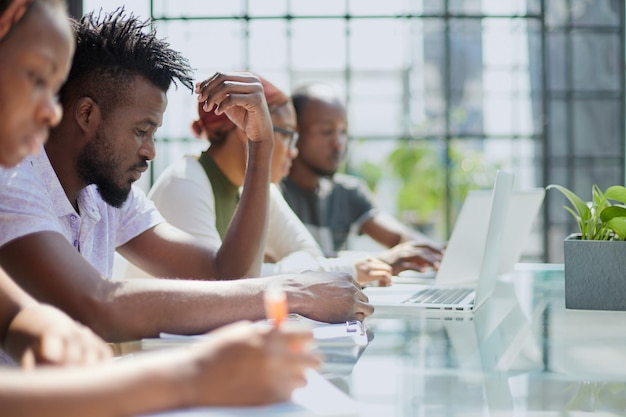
pixel 225 160
pixel 200 195
pixel 261 365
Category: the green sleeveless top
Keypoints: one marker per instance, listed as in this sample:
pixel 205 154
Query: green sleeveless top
pixel 225 192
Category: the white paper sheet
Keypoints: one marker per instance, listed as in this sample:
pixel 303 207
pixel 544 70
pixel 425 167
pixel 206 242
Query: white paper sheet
pixel 318 398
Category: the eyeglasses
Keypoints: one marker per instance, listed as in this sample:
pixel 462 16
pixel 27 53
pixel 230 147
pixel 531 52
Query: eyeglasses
pixel 291 136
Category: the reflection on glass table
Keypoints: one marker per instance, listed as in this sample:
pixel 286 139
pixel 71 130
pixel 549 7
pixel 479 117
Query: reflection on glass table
pixel 520 354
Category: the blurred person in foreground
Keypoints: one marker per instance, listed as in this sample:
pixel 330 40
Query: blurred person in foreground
pixel 31 73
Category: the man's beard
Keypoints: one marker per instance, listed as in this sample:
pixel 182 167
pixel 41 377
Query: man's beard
pixel 96 166
pixel 112 194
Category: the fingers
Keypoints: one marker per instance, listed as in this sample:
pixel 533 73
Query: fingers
pixel 227 90
pixel 88 350
pixel 334 298
pixel 373 270
pixel 50 349
pixel 45 335
pixel 362 309
pixel 298 360
pixel 357 293
pixel 232 100
pixel 80 347
pixel 367 308
pixel 293 347
pixel 55 350
pixel 28 361
pixel 422 244
pixel 385 282
pixel 293 339
pixel 303 360
pixel 295 342
pixel 423 260
pixel 413 258
pixel 433 248
pixel 241 98
pixel 359 316
pixel 286 379
pixel 203 88
pixel 92 349
pixel 245 364
pixel 434 256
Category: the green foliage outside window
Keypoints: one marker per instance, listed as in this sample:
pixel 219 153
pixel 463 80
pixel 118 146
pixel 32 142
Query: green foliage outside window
pixel 421 169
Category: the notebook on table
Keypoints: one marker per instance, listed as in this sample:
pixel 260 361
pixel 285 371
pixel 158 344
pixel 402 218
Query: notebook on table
pixel 479 246
pixel 349 334
pixel 340 344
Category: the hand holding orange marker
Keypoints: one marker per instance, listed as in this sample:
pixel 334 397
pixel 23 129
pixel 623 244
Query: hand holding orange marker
pixel 275 304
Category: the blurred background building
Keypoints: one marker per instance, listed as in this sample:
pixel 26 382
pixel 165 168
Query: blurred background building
pixel 440 93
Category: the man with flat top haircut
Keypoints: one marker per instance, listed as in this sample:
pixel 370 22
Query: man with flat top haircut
pixel 330 204
pixel 69 208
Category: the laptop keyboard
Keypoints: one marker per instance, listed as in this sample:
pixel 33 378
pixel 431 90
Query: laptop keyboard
pixel 439 296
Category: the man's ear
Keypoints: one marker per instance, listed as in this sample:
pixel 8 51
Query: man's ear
pixel 87 115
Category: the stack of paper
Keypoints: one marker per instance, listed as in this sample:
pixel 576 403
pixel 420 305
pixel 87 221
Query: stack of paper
pixel 350 334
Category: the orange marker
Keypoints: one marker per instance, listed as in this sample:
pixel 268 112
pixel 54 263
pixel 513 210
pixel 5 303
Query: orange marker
pixel 275 304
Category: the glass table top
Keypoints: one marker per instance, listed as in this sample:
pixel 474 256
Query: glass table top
pixel 522 353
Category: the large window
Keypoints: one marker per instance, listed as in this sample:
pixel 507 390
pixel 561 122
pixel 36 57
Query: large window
pixel 440 93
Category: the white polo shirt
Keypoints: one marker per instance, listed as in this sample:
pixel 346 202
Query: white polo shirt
pixel 34 201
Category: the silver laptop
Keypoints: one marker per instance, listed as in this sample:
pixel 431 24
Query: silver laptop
pixel 459 262
pixel 482 248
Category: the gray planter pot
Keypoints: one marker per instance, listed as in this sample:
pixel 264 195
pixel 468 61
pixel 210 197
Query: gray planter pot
pixel 595 274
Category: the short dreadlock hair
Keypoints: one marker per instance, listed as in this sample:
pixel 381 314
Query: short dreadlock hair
pixel 113 49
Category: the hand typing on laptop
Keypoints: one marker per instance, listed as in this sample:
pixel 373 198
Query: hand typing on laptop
pixel 373 271
pixel 412 255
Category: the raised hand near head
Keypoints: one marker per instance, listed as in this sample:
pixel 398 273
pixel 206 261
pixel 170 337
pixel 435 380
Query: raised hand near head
pixel 240 97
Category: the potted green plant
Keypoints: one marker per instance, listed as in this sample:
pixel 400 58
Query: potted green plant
pixel 595 256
